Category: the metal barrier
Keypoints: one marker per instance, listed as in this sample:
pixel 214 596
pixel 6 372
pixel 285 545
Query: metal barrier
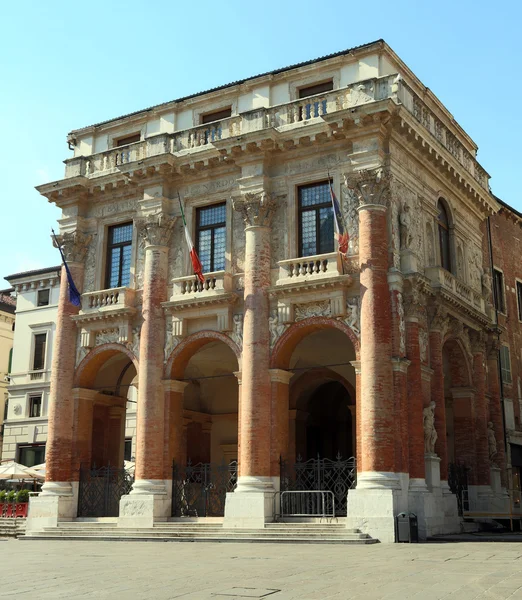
pixel 305 503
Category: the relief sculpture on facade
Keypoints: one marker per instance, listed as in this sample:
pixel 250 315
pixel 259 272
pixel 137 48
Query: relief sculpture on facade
pixel 312 309
pixel 275 327
pixel 353 319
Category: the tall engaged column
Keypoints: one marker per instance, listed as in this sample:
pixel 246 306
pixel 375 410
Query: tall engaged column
pixel 438 327
pixel 58 472
pixel 254 459
pixel 498 460
pixel 149 491
pixel 377 397
pixel 249 505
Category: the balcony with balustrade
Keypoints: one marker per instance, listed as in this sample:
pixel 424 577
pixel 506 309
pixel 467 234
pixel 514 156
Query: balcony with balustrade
pixel 456 291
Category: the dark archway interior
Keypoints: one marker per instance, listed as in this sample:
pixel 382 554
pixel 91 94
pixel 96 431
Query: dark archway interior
pixel 327 430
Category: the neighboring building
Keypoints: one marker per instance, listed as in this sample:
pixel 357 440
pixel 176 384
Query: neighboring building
pixel 25 425
pixel 505 231
pixel 285 354
pixel 7 323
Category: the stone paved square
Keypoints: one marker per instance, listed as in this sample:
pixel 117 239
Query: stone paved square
pixel 202 571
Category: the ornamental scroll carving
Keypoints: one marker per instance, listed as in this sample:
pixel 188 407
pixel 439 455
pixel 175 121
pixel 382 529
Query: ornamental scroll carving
pixel 74 245
pixel 423 345
pixel 155 230
pixel 371 186
pixel 402 324
pixel 439 320
pixel 312 309
pixel 351 218
pixel 256 209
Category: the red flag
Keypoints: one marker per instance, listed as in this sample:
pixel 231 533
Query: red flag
pixel 196 263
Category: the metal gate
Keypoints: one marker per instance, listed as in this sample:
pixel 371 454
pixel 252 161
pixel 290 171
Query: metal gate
pixel 100 491
pixel 458 484
pixel 200 490
pixel 320 474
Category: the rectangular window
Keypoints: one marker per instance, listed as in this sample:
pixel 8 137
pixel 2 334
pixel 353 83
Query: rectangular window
pixel 316 225
pixel 35 406
pixel 31 454
pixel 498 288
pixel 40 340
pixel 211 233
pixel 519 300
pixel 119 250
pixel 43 298
pixel 129 139
pixel 318 88
pixel 505 364
pixel 217 115
pixel 127 451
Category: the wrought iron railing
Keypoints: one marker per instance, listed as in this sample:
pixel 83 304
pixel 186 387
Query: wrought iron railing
pixel 321 474
pixel 100 490
pixel 200 490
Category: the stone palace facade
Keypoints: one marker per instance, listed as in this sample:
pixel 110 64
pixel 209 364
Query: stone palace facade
pixel 286 353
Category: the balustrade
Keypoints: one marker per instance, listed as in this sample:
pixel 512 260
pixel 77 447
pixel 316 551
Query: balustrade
pixel 121 297
pixel 310 267
pixel 217 282
pixel 441 278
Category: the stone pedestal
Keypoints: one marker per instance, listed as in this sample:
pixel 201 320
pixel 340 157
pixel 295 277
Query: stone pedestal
pixel 149 501
pixel 374 504
pixel 432 464
pixel 58 503
pixel 251 505
pixel 408 261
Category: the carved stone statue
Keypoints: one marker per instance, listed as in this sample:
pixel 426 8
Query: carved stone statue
pixel 237 333
pixel 352 318
pixel 487 291
pixel 492 442
pixel 276 329
pixel 430 433
pixel 405 227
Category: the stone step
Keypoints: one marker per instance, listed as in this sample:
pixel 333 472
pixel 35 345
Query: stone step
pixel 192 534
pixel 192 531
pixel 219 539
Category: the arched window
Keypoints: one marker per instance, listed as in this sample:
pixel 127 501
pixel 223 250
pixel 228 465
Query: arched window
pixel 444 236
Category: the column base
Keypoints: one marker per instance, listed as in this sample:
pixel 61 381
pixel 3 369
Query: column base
pixel 251 505
pixel 149 501
pixel 58 501
pixel 374 503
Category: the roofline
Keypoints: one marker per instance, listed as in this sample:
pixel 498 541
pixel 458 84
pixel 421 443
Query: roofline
pixel 234 83
pixel 26 274
pixel 7 308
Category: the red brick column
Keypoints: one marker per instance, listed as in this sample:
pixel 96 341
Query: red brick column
pixel 82 432
pixel 480 425
pixel 150 432
pixel 356 364
pixel 495 409
pixel 280 433
pixel 174 426
pixel 255 412
pixel 437 391
pixel 377 422
pixel 61 400
pixel 415 401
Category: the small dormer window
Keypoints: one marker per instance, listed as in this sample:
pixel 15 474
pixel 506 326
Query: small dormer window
pixel 317 88
pixel 217 115
pixel 43 298
pixel 128 139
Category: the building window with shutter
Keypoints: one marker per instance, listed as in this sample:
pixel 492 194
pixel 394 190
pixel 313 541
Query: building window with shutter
pixel 43 298
pixel 217 115
pixel 519 299
pixel 211 232
pixel 316 224
pixel 498 289
pixel 119 250
pixel 505 365
pixel 35 406
pixel 40 342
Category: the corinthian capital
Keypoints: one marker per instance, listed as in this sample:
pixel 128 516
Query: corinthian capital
pixel 74 245
pixel 256 209
pixel 371 186
pixel 155 230
pixel 439 319
pixel 415 302
pixel 478 342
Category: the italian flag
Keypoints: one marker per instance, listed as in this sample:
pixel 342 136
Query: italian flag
pixel 196 263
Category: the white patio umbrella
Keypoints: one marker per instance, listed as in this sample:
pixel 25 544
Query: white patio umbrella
pixel 129 466
pixel 38 468
pixel 13 470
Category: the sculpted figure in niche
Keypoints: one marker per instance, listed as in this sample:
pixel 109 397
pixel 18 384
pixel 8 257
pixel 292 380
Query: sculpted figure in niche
pixel 430 433
pixel 486 286
pixel 405 227
pixel 492 442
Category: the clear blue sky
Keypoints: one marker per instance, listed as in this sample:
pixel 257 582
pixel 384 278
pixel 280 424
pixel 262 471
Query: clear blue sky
pixel 67 64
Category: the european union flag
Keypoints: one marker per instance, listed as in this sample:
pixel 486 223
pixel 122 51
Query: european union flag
pixel 74 295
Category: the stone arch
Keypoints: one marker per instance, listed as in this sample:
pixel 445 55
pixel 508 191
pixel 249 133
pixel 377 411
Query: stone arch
pixel 310 380
pixel 182 353
pixel 91 363
pixel 462 372
pixel 286 344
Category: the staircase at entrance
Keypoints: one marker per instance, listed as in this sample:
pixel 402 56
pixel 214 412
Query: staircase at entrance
pixel 194 531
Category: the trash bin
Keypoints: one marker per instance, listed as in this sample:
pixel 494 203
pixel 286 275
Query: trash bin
pixel 406 528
